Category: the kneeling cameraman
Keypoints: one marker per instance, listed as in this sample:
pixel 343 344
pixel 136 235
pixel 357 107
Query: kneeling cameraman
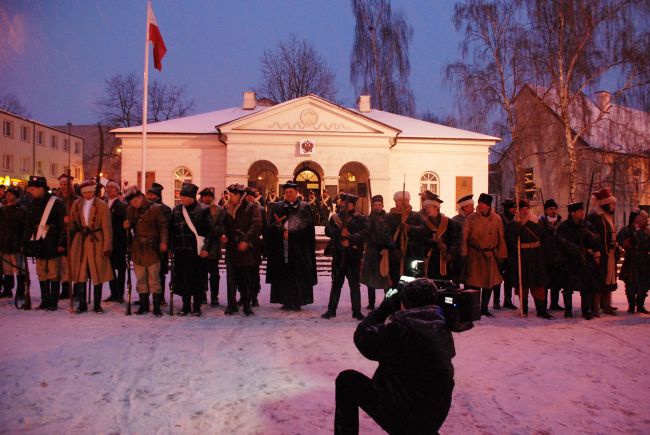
pixel 411 390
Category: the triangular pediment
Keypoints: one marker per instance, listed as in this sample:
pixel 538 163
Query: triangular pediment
pixel 308 114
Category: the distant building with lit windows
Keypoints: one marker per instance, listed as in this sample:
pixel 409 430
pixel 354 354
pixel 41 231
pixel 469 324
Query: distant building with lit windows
pixel 29 147
pixel 317 143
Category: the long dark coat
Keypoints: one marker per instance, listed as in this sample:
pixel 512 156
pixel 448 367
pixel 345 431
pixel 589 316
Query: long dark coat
pixel 12 228
pixel 447 242
pixel 554 257
pixel 415 376
pixel 243 224
pixel 378 239
pixel 414 235
pixel 607 239
pixel 118 216
pixel 56 233
pixel 182 239
pixel 578 271
pixel 292 282
pixel 149 231
pixel 635 271
pixel 534 272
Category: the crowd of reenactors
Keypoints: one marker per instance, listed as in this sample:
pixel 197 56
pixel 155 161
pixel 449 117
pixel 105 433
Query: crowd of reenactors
pixel 81 238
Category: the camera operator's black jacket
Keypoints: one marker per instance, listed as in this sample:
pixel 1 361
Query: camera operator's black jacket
pixel 415 377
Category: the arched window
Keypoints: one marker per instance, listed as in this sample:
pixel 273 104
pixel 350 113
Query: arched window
pixel 181 175
pixel 429 181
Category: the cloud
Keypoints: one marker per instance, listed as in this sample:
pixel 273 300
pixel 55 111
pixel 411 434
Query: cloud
pixel 13 38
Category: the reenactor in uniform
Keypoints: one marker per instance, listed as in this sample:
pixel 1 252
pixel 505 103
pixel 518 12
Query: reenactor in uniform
pixel 68 195
pixel 484 249
pixel 12 230
pixel 326 207
pixel 374 266
pixel 347 231
pixel 441 240
pixel 253 196
pixel 508 218
pixel 579 270
pixel 406 229
pixel 117 209
pixel 212 278
pixel 549 222
pixel 465 206
pixel 602 223
pixel 92 244
pixel 271 198
pixel 243 226
pixel 525 241
pixel 150 237
pixel 45 239
pixel 635 239
pixel 291 251
pixel 190 224
pixel 154 194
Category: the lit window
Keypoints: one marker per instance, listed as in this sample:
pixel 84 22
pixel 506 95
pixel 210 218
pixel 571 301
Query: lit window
pixel 54 142
pixel 77 173
pixel 181 175
pixel 39 167
pixel 8 128
pixel 429 181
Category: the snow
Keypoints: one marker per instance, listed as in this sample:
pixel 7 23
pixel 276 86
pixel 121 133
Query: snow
pixel 274 372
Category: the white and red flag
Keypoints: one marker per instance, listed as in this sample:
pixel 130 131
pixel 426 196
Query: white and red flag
pixel 156 39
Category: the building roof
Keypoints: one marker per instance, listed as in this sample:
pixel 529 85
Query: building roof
pixel 619 128
pixel 204 123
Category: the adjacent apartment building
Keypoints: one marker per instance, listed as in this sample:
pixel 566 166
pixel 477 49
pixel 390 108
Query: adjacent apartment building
pixel 29 147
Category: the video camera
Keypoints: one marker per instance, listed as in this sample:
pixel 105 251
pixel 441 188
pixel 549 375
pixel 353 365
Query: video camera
pixel 461 307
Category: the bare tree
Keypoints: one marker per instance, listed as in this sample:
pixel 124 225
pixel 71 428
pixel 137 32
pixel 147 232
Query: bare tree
pixel 167 102
pixel 379 65
pixel 577 46
pixel 121 104
pixel 492 70
pixel 294 69
pixel 11 103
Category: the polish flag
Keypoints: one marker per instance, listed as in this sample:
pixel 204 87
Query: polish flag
pixel 156 39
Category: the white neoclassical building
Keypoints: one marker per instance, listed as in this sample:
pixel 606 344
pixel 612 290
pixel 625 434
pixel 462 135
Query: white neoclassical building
pixel 319 144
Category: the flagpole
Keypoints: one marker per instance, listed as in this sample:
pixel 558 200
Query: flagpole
pixel 143 169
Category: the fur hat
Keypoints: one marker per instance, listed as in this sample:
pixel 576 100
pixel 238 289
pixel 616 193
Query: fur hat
pixel 236 188
pixel 431 199
pixel 465 200
pixel 348 197
pixel 419 293
pixel 523 203
pixel 290 185
pixel 575 206
pixel 508 203
pixel 485 199
pixel 88 186
pixel 402 194
pixel 36 181
pixel 604 197
pixel 207 191
pixel 156 189
pixel 114 184
pixel 189 190
pixel 550 203
pixel 131 193
pixel 66 176
pixel 377 198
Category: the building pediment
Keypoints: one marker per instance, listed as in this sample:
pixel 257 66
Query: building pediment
pixel 308 114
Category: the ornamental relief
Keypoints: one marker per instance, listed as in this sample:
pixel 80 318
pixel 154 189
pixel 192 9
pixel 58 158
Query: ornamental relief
pixel 308 120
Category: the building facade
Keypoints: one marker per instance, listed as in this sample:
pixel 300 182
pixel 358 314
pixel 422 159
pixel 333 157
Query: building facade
pixel 30 147
pixel 320 145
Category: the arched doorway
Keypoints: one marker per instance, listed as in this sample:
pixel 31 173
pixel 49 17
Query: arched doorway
pixel 308 176
pixel 263 175
pixel 182 175
pixel 354 178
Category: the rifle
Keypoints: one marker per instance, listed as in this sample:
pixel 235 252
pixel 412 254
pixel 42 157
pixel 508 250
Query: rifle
pixel 172 279
pixel 520 284
pixel 27 303
pixel 128 271
pixel 403 240
pixel 68 242
pixel 591 185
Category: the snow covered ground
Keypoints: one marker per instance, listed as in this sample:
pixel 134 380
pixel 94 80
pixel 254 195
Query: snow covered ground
pixel 274 373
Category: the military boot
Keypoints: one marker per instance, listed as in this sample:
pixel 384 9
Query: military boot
pixel 97 294
pixel 80 289
pixel 144 304
pixel 156 304
pixel 568 305
pixel 20 287
pixel 540 306
pixel 7 284
pixel 45 295
pixel 640 301
pixel 631 303
pixel 54 295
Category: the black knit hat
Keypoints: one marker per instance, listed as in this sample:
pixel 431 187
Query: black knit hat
pixel 575 206
pixel 550 203
pixel 485 199
pixel 523 203
pixel 419 293
pixel 508 203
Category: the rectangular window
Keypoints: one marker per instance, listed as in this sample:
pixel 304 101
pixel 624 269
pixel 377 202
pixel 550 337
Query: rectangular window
pixel 39 138
pixel 65 144
pixel 54 142
pixel 7 162
pixel 77 173
pixel 24 133
pixel 8 128
pixel 53 169
pixel 24 164
pixel 39 167
pixel 77 147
